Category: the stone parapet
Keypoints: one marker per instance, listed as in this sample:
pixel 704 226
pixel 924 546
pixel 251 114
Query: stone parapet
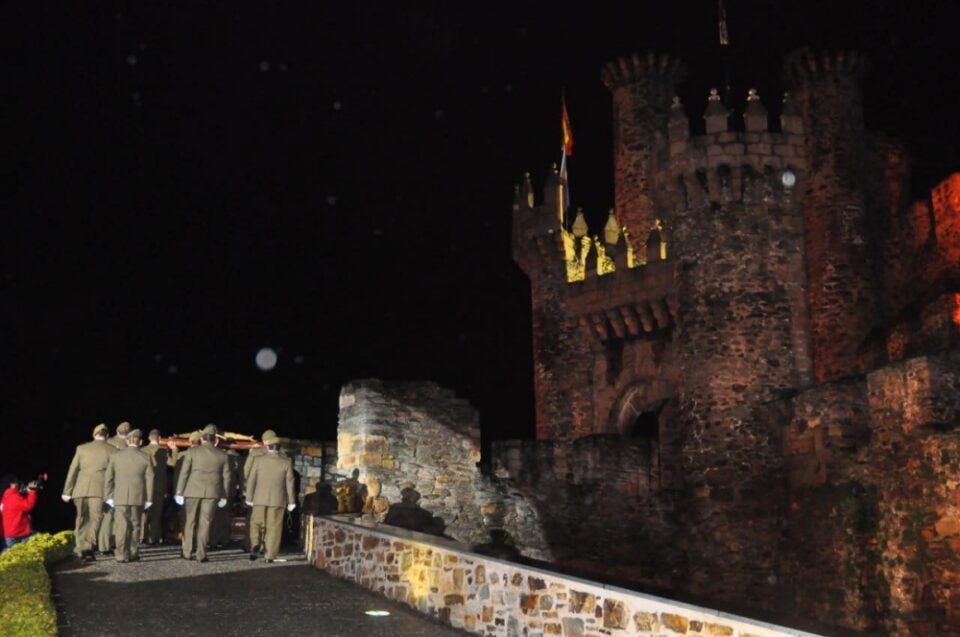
pixel 490 596
pixel 423 437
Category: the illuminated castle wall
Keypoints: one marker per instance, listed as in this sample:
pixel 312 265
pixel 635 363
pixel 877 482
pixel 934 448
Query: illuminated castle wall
pixel 771 317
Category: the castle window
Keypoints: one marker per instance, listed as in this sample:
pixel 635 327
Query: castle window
pixel 646 425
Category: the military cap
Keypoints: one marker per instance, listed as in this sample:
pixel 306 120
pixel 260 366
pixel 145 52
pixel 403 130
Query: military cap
pixel 154 432
pixel 135 435
pixel 123 428
pixel 101 429
pixel 272 439
pixel 269 433
pixel 194 436
pixel 209 430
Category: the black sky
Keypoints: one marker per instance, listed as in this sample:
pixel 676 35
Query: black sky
pixel 189 182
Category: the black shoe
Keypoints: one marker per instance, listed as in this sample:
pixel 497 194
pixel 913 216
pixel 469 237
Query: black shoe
pixel 135 558
pixel 269 561
pixel 253 556
pixel 204 559
pixel 184 557
pixel 106 553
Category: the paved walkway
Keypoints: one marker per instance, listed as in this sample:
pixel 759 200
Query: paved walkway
pixel 229 595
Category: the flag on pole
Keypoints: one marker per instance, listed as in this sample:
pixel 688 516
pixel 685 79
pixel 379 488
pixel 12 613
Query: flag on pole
pixel 567 140
pixel 722 19
pixel 565 126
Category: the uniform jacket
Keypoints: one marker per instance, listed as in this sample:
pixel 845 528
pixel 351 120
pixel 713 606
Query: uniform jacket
pixel 117 441
pixel 85 475
pixel 205 473
pixel 254 453
pixel 15 509
pixel 129 478
pixel 161 457
pixel 271 481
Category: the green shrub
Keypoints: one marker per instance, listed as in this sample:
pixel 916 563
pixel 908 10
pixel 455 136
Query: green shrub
pixel 26 609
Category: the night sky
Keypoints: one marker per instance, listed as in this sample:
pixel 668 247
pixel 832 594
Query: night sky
pixel 187 183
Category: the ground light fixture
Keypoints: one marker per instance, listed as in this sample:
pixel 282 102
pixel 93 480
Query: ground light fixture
pixel 376 613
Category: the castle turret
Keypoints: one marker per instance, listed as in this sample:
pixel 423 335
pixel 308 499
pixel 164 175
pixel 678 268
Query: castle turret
pixel 642 87
pixel 737 239
pixel 841 289
pixel 561 354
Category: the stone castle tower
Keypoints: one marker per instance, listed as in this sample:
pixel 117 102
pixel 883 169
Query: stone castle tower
pixel 751 312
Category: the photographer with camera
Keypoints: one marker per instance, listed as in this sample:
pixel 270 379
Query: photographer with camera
pixel 15 510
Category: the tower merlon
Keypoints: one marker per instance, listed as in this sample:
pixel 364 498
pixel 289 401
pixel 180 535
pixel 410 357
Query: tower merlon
pixel 805 66
pixel 642 68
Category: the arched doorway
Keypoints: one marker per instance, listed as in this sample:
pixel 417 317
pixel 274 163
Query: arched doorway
pixel 641 415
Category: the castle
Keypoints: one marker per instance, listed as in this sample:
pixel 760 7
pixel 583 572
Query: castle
pixel 748 381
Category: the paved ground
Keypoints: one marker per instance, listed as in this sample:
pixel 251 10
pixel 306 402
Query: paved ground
pixel 229 595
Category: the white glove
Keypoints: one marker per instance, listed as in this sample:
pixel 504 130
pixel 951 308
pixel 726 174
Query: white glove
pixel 178 499
pixel 291 506
pixel 146 505
pixel 222 502
pixel 110 502
pixel 65 497
pixel 249 503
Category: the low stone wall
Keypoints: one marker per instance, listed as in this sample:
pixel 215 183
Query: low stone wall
pixel 488 596
pixel 601 505
pixel 423 437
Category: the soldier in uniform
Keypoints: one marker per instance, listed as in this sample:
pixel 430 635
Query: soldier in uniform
pixel 152 530
pixel 176 461
pixel 84 486
pixel 269 492
pixel 202 486
pixel 129 488
pixel 105 539
pixel 223 518
pixel 255 522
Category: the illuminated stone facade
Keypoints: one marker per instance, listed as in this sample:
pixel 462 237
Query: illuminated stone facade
pixel 770 327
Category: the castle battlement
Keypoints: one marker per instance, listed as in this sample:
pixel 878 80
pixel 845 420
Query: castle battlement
pixel 542 242
pixel 805 66
pixel 727 165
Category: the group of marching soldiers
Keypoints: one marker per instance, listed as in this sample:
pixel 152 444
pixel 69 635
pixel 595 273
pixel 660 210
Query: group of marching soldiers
pixel 118 486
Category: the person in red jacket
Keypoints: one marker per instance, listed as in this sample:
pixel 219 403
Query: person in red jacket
pixel 15 510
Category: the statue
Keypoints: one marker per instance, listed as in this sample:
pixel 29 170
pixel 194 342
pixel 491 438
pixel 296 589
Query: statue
pixel 375 506
pixel 346 491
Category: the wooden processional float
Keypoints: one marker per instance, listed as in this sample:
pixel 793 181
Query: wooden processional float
pixel 226 440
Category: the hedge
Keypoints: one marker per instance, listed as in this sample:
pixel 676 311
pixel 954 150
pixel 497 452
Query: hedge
pixel 26 609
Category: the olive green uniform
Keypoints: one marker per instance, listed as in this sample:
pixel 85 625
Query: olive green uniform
pixel 84 485
pixel 223 517
pixel 204 479
pixel 129 483
pixel 152 529
pixel 270 490
pixel 105 539
pixel 255 520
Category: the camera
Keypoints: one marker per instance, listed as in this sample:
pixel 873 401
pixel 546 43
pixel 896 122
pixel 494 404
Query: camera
pixel 38 484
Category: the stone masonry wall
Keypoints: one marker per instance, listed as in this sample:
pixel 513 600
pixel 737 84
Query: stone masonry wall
pixel 601 504
pixel 423 436
pixel 873 533
pixel 840 273
pixel 641 88
pixel 487 596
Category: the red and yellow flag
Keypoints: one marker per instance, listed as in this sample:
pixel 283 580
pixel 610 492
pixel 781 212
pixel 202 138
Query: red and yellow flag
pixel 565 127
